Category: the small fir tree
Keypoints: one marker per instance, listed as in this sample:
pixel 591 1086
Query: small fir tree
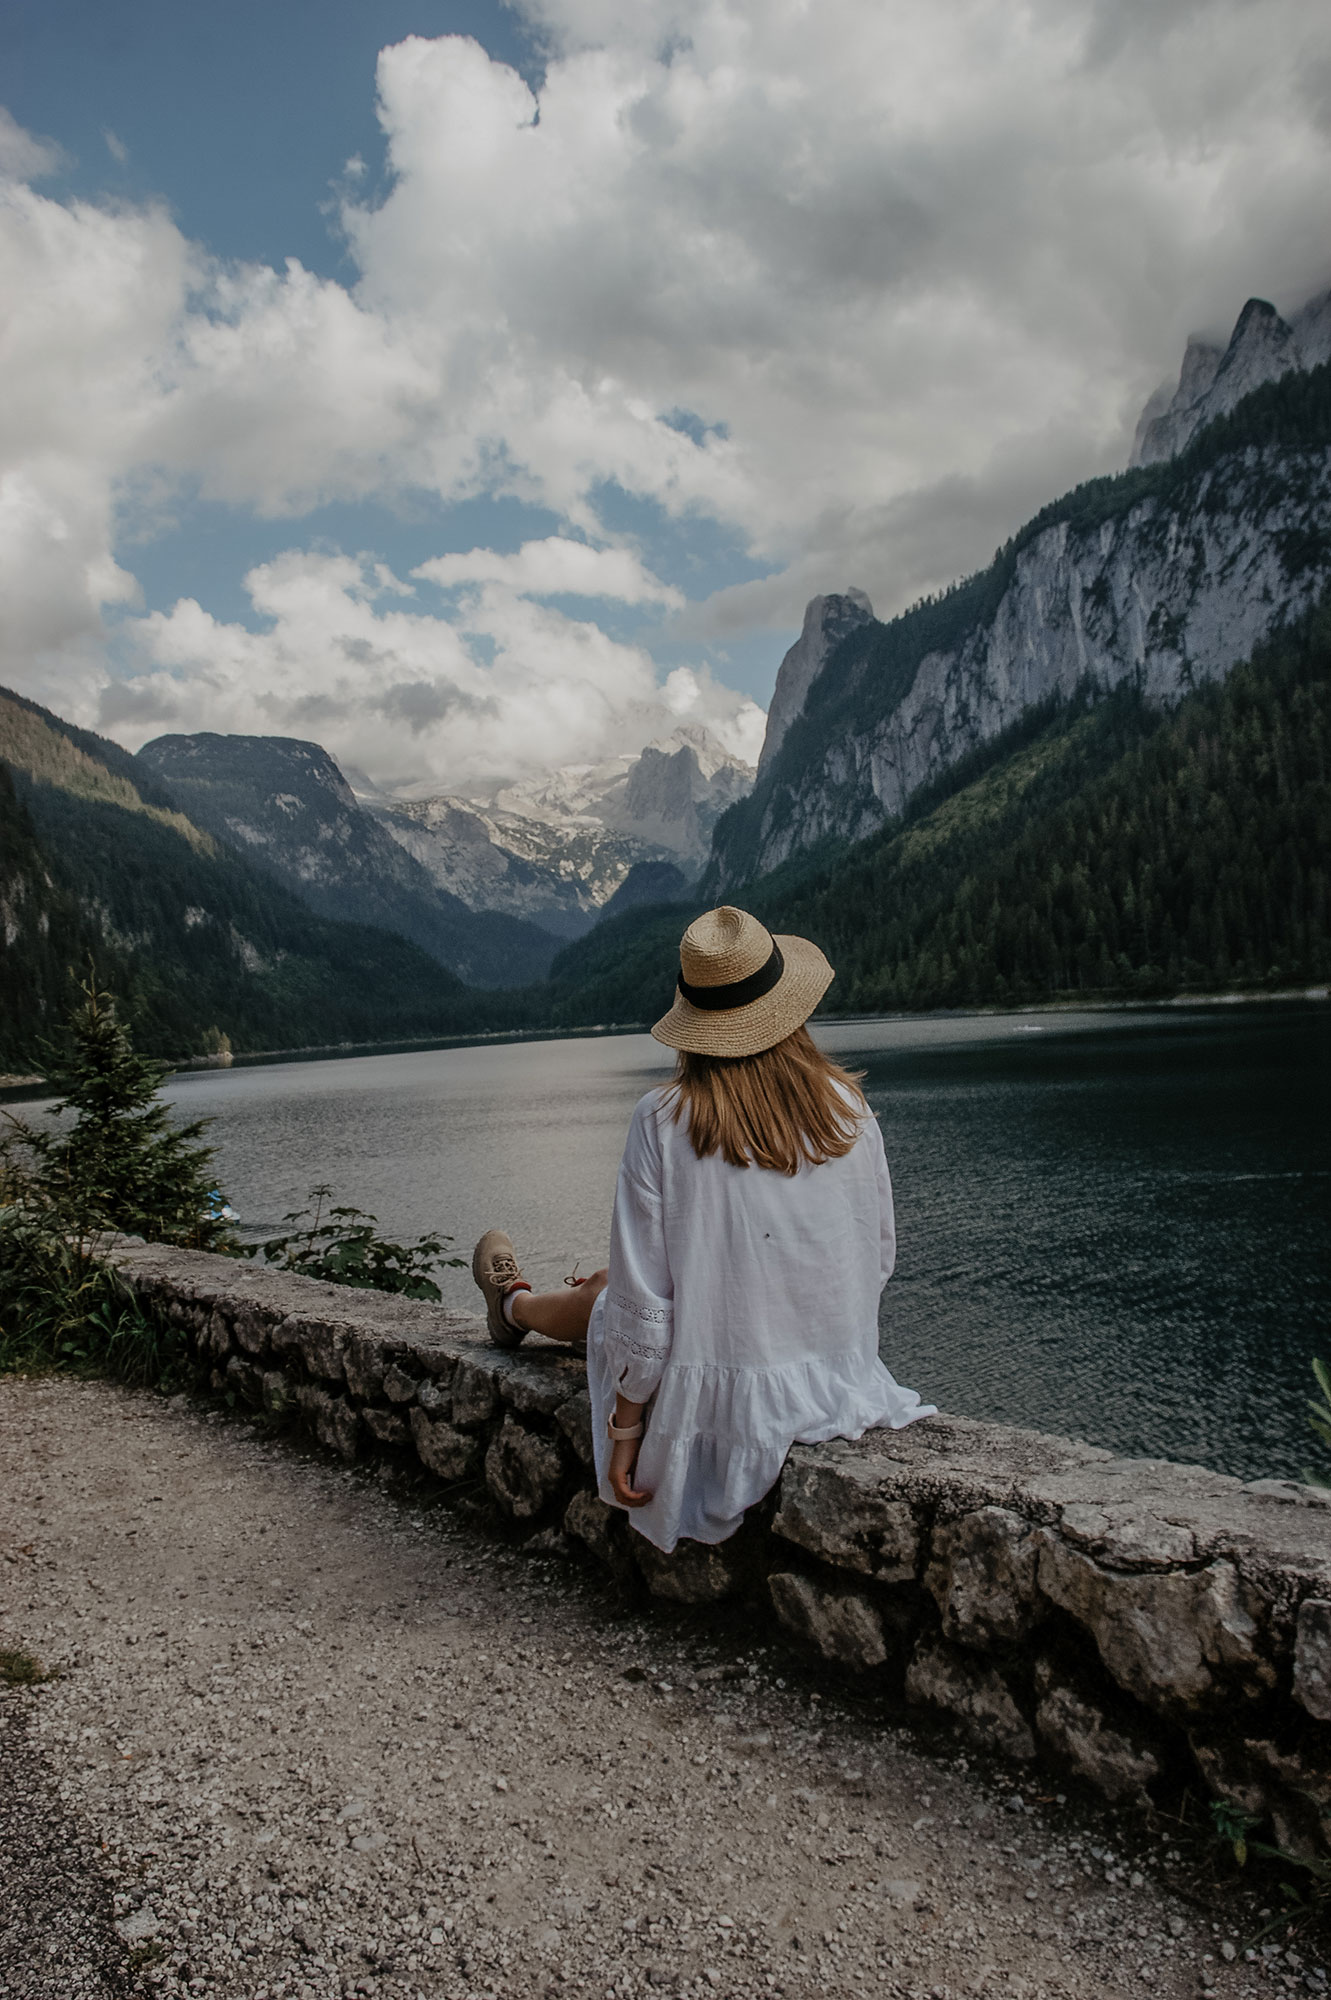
pixel 122 1165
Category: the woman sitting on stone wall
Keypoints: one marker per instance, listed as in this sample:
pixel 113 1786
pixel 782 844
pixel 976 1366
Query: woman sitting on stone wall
pixel 752 1235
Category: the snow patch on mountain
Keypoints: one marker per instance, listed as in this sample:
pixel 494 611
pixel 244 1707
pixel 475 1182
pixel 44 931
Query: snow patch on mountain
pixel 556 848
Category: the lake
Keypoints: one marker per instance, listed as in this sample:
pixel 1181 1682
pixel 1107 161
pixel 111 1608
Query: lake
pixel 1112 1225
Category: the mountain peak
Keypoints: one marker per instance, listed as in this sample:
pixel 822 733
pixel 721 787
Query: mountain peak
pixel 827 620
pixel 1214 380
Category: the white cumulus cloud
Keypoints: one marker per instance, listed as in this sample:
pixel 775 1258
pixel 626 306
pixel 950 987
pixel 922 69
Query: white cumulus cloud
pixel 862 285
pixel 347 657
pixel 556 567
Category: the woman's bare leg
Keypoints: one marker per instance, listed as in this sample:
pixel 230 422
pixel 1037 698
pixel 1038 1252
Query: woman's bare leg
pixel 561 1315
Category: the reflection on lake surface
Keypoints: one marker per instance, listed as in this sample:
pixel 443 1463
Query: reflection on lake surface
pixel 1111 1225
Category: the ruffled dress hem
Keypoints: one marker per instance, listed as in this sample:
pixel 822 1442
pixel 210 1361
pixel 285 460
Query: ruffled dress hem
pixel 721 1433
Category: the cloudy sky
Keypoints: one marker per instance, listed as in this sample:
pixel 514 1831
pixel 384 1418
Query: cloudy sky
pixel 482 388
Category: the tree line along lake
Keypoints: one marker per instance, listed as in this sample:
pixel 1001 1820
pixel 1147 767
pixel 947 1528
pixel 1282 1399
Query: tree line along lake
pixel 1112 1225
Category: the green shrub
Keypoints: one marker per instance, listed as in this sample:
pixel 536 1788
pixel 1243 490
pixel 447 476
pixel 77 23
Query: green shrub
pixel 63 1307
pixel 343 1249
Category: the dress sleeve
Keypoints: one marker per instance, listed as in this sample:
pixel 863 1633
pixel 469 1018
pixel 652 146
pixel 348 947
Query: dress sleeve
pixel 889 1220
pixel 639 1323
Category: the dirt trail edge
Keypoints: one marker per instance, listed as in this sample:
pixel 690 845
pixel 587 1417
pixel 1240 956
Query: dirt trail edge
pixel 319 1741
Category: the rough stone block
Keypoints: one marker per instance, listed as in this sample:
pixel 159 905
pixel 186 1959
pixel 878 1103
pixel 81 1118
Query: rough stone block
pixel 434 1400
pixel 386 1426
pixel 830 1503
pixel 217 1339
pixel 982 1576
pixel 1177 1641
pixel 524 1472
pixel 399 1387
pixel 187 1314
pixel 334 1422
pixel 599 1528
pixel 843 1625
pixel 575 1420
pixel 696 1573
pixel 277 1391
pixel 1077 1733
pixel 1292 1790
pixel 244 1379
pixel 1129 1538
pixel 363 1366
pixel 284 1336
pixel 249 1329
pixel 537 1388
pixel 321 1345
pixel 475 1398
pixel 964 1686
pixel 1312 1657
pixel 448 1453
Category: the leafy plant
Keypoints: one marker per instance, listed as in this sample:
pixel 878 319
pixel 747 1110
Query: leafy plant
pixel 1321 1417
pixel 342 1248
pixel 63 1307
pixel 1233 1825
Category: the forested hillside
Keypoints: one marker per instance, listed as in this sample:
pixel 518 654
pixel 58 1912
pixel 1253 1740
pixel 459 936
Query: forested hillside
pixel 1104 848
pixel 96 862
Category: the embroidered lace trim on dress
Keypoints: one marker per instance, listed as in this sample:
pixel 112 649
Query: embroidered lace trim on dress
pixel 640 1349
pixel 655 1315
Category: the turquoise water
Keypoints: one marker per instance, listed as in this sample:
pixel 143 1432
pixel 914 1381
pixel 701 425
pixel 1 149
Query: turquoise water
pixel 1116 1226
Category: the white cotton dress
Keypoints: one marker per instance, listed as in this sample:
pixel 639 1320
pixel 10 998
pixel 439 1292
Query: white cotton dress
pixel 743 1304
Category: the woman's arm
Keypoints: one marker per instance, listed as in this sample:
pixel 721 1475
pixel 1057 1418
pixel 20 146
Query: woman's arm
pixel 639 1310
pixel 624 1454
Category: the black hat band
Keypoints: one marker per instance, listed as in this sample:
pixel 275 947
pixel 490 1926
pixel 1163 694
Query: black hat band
pixel 740 992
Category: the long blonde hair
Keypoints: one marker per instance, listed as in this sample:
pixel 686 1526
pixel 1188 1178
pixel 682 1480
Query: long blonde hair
pixel 782 1108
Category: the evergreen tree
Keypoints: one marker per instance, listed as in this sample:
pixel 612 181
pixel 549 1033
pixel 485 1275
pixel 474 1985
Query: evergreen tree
pixel 122 1164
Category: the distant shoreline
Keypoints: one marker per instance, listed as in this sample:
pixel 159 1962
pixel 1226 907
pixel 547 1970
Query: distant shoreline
pixel 19 1087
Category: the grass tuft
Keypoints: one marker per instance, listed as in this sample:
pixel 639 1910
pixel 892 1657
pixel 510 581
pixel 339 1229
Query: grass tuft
pixel 19 1669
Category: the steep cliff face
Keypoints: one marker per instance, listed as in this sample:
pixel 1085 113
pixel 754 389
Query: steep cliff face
pixel 1214 380
pixel 287 807
pixel 827 621
pixel 1165 576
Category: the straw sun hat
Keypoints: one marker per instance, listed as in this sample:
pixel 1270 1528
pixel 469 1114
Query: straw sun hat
pixel 741 990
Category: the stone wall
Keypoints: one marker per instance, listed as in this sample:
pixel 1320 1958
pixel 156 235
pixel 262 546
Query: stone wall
pixel 1135 1623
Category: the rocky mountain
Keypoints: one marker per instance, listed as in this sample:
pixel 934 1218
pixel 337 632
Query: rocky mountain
pixel 1214 379
pixel 827 621
pixel 556 849
pixel 285 804
pixel 204 951
pixel 554 872
pixel 1163 576
pixel 675 792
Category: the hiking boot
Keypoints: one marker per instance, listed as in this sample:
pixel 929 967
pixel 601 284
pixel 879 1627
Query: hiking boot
pixel 495 1269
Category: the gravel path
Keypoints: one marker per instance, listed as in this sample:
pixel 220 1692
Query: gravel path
pixel 321 1739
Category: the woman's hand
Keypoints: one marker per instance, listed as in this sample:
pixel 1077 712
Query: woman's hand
pixel 623 1466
